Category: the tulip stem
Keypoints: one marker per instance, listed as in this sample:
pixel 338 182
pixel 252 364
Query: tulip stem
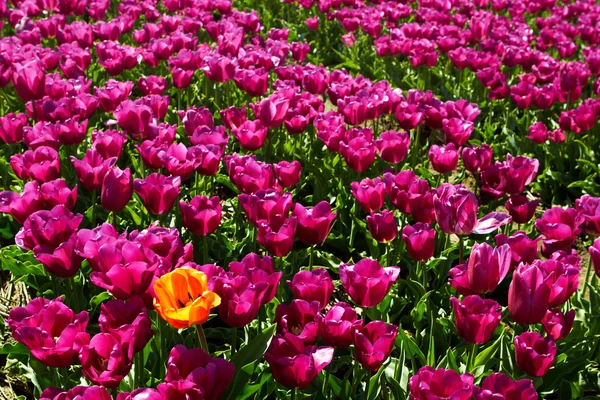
pixel 234 341
pixel 202 338
pixel 139 369
pixel 310 258
pixel 205 252
pixel 115 220
pixel 587 277
pixel 94 201
pixel 472 356
pixel 325 390
pixel 293 394
pixel 368 385
pixel 461 249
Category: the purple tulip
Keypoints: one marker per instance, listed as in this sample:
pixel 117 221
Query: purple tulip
pixel 476 159
pixel 476 318
pixel 430 383
pixel 367 282
pixel 558 324
pixel 589 208
pixel 383 226
pixel 419 240
pixel 444 159
pixel 373 343
pixel 41 164
pixel 314 223
pixel 258 269
pixel 370 193
pixel 202 215
pixel 487 267
pixel 240 299
pixel 498 386
pixel 157 192
pixel 288 173
pixel 520 208
pixel 529 294
pixel 560 228
pixel 77 393
pixel 92 168
pixel 277 238
pixel 117 189
pixel 106 360
pixel 393 146
pixel 298 318
pixel 337 326
pixel 118 317
pixel 315 285
pixel 534 355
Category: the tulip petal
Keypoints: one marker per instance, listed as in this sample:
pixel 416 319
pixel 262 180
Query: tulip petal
pixel 491 222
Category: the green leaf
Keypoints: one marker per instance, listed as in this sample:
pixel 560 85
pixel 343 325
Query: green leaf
pixel 373 387
pixel 487 354
pixel 13 348
pixel 20 262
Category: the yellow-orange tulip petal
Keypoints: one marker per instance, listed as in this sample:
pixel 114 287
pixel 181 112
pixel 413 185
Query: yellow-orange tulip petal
pixel 183 299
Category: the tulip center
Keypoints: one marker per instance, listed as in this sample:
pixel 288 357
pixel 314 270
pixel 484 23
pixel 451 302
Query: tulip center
pixel 189 302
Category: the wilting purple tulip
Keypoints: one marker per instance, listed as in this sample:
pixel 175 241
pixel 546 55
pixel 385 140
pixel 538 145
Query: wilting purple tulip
pixel 277 239
pixel 197 374
pixel 393 146
pixel 294 364
pixel 594 251
pixel 29 80
pixel 288 173
pixel 117 189
pixel 157 192
pixel 443 159
pixel 367 282
pixel 125 280
pixel 487 267
pixel 523 249
pixel 92 168
pixel 298 318
pixel 430 383
pixel 498 386
pixel 370 193
pixel 589 208
pixel 476 318
pixel 359 153
pixel 560 228
pixel 476 159
pixel 419 240
pixel 455 209
pixel 314 223
pixel 529 294
pixel 557 324
pixel 337 326
pixel 202 215
pixel 534 355
pixel 251 134
pixel 41 164
pixel 118 317
pixel 258 269
pixel 383 226
pixel 106 360
pixel 50 330
pixel 266 205
pixel 11 127
pixel 240 299
pixel 373 343
pixel 77 393
pixel 516 173
pixel 520 208
pixel 315 285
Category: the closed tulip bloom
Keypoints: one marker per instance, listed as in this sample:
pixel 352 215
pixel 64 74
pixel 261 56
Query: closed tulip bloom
pixel 558 324
pixel 487 267
pixel 529 294
pixel 314 223
pixel 41 164
pixel 29 79
pixel 294 364
pixel 194 117
pixel 404 189
pixel 11 127
pixel 393 146
pixel 157 192
pixel 183 299
pixel 476 159
pixel 118 317
pixel 277 239
pixel 315 285
pixel 367 282
pixel 240 299
pixel 267 205
pixel 258 269
pixel 218 68
pixel 538 133
pixel 455 209
pixel 337 326
pixel 594 251
pixel 113 93
pixel 288 173
pixel 443 159
pixel 373 344
pixel 108 143
pixel 91 169
pixel 202 215
pixel 534 355
pixel 419 240
pixel 251 134
pixel 359 153
pixel 254 82
pixel 370 193
pixel 77 393
pixel 299 319
pixel 589 208
pixel 50 330
pixel 198 375
pixel 520 208
pixel 106 360
pixel 430 383
pixel 383 226
pixel 560 228
pixel 498 386
pixel 516 173
pixel 476 318
pixel 117 189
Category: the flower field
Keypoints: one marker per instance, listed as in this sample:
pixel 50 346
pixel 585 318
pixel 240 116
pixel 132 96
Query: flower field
pixel 307 199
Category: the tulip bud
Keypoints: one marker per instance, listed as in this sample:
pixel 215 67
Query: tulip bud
pixel 383 226
pixel 419 240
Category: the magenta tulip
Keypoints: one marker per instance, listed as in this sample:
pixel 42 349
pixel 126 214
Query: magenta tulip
pixel 288 173
pixel 277 239
pixel 476 318
pixel 337 326
pixel 383 226
pixel 534 355
pixel 419 240
pixel 202 215
pixel 498 386
pixel 370 193
pixel 529 294
pixel 157 192
pixel 558 324
pixel 315 285
pixel 373 344
pixel 367 282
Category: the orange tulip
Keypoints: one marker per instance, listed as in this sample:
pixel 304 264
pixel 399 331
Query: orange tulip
pixel 183 299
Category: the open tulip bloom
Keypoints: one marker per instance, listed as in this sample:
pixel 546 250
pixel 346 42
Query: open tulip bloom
pixel 344 199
